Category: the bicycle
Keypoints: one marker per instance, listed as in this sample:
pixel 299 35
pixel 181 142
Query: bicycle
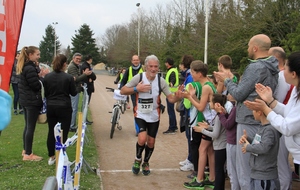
pixel 118 108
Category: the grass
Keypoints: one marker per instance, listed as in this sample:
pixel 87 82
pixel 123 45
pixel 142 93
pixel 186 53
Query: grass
pixel 18 175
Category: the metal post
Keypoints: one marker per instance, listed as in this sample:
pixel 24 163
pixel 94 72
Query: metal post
pixel 139 25
pixel 54 23
pixel 206 31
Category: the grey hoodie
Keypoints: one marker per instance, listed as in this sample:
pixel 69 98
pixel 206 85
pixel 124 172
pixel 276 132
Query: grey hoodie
pixel 263 160
pixel 264 71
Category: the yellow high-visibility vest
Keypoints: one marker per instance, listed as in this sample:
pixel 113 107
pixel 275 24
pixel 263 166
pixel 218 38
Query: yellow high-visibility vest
pixel 130 73
pixel 175 86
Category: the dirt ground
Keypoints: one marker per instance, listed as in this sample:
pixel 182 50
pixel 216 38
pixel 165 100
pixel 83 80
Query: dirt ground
pixel 117 154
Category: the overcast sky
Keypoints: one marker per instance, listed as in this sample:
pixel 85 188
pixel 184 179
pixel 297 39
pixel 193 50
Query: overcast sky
pixel 71 14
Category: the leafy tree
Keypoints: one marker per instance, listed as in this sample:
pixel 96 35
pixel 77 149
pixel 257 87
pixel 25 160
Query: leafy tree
pixel 46 46
pixel 83 42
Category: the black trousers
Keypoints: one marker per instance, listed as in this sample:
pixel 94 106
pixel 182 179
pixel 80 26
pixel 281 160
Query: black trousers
pixel 195 143
pixel 31 114
pixel 56 114
pixel 220 159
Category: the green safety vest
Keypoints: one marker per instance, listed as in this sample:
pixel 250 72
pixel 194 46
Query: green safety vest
pixel 130 76
pixel 121 76
pixel 175 86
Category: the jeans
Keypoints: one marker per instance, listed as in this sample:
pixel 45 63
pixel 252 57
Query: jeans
pixel 16 96
pixel 74 102
pixel 31 114
pixel 172 116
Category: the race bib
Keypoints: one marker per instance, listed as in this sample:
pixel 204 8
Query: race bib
pixel 256 140
pixel 145 105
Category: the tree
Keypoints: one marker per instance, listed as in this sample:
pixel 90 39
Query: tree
pixel 84 43
pixel 47 45
pixel 67 53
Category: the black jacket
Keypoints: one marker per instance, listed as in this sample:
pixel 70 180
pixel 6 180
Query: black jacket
pixel 58 88
pixel 90 85
pixel 29 86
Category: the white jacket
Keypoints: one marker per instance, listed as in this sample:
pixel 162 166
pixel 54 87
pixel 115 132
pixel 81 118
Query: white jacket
pixel 285 118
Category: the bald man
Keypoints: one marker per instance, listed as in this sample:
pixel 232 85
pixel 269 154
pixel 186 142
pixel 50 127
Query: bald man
pixel 263 69
pixel 284 169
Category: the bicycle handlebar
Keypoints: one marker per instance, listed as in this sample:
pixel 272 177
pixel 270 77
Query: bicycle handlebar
pixel 110 89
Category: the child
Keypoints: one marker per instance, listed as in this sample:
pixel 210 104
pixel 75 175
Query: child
pixel 224 65
pixel 218 134
pixel 264 149
pixel 199 72
pixel 227 119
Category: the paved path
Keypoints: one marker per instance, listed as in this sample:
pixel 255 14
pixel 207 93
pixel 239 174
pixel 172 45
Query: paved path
pixel 116 155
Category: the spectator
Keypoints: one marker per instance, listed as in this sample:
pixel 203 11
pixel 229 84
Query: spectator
pixel 284 118
pixel 186 77
pixel 58 88
pixel 281 93
pixel 200 143
pixel 30 97
pixel 74 70
pixel 172 79
pixel 14 80
pixel 264 150
pixel 89 80
pixel 262 69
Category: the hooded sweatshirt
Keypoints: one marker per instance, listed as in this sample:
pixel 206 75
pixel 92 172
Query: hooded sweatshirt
pixel 264 71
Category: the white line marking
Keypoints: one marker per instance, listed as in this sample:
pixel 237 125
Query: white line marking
pixel 120 171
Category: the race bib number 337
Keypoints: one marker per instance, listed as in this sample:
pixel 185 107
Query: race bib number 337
pixel 145 105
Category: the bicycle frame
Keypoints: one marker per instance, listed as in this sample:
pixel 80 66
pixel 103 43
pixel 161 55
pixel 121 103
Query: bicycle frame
pixel 116 111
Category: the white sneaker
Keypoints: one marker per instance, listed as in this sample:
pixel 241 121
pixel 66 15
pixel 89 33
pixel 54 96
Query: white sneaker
pixel 187 167
pixel 51 161
pixel 182 163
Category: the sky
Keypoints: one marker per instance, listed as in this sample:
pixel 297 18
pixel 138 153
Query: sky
pixel 71 14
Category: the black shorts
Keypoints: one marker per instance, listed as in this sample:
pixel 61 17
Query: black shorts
pixel 151 128
pixel 207 138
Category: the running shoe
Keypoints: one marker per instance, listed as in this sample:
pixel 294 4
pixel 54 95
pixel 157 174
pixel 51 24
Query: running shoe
pixel 145 168
pixel 194 184
pixel 136 167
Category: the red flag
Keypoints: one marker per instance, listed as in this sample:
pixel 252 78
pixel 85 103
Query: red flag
pixel 11 16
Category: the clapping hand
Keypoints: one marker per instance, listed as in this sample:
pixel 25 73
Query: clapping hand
pixel 264 92
pixel 219 108
pixel 244 141
pixel 200 126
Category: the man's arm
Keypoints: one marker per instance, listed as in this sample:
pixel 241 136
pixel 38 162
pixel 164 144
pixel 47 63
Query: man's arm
pixel 246 86
pixel 124 79
pixel 172 79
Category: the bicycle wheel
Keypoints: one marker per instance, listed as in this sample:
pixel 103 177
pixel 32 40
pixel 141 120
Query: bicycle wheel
pixel 114 122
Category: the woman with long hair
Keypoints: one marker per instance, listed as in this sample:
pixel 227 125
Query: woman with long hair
pixel 29 96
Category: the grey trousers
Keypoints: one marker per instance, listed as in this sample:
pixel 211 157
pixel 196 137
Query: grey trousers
pixel 242 160
pixel 284 169
pixel 231 166
pixel 258 184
